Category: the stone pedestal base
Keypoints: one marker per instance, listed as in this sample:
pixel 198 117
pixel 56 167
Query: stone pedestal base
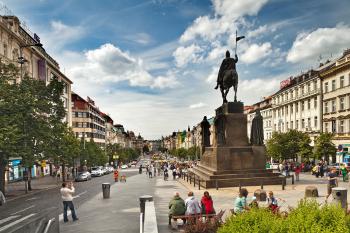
pixel 231 161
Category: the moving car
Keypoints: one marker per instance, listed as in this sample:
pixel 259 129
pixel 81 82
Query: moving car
pixel 124 166
pixel 83 176
pixel 96 171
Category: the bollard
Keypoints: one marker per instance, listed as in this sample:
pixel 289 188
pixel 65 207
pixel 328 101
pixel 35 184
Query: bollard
pixel 199 184
pixel 240 186
pixel 216 184
pixel 340 196
pixel 190 179
pixel 143 199
pixel 194 181
pixel 292 179
pixel 262 185
pixel 106 189
pixel 283 184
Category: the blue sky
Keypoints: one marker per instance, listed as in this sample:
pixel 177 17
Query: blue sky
pixel 152 64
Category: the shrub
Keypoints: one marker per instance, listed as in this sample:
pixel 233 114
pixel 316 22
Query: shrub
pixel 203 226
pixel 308 217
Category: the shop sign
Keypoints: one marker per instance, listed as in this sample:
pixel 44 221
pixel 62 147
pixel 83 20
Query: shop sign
pixel 43 163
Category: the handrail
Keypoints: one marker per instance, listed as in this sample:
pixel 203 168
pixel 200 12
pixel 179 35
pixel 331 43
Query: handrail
pixel 48 225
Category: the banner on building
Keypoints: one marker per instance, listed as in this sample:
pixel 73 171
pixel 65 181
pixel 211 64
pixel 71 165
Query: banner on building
pixel 42 69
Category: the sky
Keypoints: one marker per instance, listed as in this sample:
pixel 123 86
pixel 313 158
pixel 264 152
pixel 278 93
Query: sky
pixel 152 64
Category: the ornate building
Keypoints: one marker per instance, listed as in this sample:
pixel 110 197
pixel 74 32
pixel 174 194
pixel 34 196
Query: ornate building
pixel 336 101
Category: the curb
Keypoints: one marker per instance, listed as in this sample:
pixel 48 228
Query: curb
pixel 29 194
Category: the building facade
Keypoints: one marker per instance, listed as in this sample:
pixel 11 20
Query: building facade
pixel 88 121
pixel 336 102
pixel 297 104
pixel 15 46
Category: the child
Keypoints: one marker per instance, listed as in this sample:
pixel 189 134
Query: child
pixel 271 202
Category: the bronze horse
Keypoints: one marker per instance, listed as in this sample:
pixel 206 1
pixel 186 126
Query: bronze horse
pixel 228 76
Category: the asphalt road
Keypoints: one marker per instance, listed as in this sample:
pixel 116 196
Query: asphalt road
pixel 37 202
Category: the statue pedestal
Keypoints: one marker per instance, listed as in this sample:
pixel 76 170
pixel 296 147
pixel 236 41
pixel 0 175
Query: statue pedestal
pixel 231 161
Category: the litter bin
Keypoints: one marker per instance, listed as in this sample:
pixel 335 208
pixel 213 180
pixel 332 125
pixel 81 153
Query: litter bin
pixel 106 190
pixel 340 196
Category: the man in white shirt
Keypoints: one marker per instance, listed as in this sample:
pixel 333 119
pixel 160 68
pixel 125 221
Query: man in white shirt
pixel 192 205
pixel 67 198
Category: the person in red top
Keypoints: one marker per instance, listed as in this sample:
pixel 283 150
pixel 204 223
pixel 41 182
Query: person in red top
pixel 116 174
pixel 297 172
pixel 207 204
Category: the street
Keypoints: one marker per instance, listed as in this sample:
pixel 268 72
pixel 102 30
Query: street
pixel 35 203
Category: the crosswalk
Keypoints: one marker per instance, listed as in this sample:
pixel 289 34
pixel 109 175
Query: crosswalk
pixel 7 223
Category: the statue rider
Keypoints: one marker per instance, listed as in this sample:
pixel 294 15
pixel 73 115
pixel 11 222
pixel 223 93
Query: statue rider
pixel 227 64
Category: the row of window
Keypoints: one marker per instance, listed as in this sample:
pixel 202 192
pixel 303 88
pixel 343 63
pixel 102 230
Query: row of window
pixel 89 135
pixel 333 85
pixel 89 115
pixel 303 124
pixel 302 89
pixel 337 126
pixel 331 105
pixel 302 105
pixel 88 125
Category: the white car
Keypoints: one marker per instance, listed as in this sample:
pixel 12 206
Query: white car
pixel 124 166
pixel 96 171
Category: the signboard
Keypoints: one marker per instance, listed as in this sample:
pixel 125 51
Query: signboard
pixel 42 69
pixel 43 163
pixel 36 38
pixel 286 83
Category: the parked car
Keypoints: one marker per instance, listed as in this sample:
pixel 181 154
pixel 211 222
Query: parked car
pixel 110 169
pixel 96 171
pixel 83 176
pixel 104 170
pixel 124 166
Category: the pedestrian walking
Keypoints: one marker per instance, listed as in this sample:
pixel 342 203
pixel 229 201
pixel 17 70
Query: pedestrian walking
pixel 174 173
pixel 2 199
pixel 207 204
pixel 150 172
pixel 344 172
pixel 116 175
pixel 67 192
pixel 140 169
pixel 332 182
pixel 297 172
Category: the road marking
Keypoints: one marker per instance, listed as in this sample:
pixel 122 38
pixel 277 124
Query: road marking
pixel 80 194
pixel 60 218
pixel 16 222
pixel 33 198
pixel 8 219
pixel 23 210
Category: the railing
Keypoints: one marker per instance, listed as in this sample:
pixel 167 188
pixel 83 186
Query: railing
pixel 195 179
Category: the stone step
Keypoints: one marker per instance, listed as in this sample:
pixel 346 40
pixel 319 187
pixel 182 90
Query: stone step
pixel 257 181
pixel 211 172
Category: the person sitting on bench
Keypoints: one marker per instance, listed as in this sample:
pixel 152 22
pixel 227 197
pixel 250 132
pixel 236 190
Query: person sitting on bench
pixel 177 207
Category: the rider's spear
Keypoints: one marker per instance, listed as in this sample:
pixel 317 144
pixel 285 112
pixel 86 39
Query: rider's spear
pixel 237 39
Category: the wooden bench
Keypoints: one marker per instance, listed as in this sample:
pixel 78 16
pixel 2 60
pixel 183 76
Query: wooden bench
pixel 185 218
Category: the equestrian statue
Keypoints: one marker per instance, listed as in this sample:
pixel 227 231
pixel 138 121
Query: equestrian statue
pixel 227 76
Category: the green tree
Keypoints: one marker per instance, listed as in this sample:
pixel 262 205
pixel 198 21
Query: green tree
pixel 324 147
pixel 289 145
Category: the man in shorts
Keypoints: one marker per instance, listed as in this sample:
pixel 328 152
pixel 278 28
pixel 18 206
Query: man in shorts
pixel 332 182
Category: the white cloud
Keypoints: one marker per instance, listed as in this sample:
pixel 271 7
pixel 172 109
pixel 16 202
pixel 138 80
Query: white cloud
pixel 255 52
pixel 197 105
pixel 109 64
pixel 255 33
pixel 184 55
pixel 140 38
pixel 226 12
pixel 61 34
pixel 323 41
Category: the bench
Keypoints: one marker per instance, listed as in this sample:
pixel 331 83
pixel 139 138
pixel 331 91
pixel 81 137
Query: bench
pixel 185 218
